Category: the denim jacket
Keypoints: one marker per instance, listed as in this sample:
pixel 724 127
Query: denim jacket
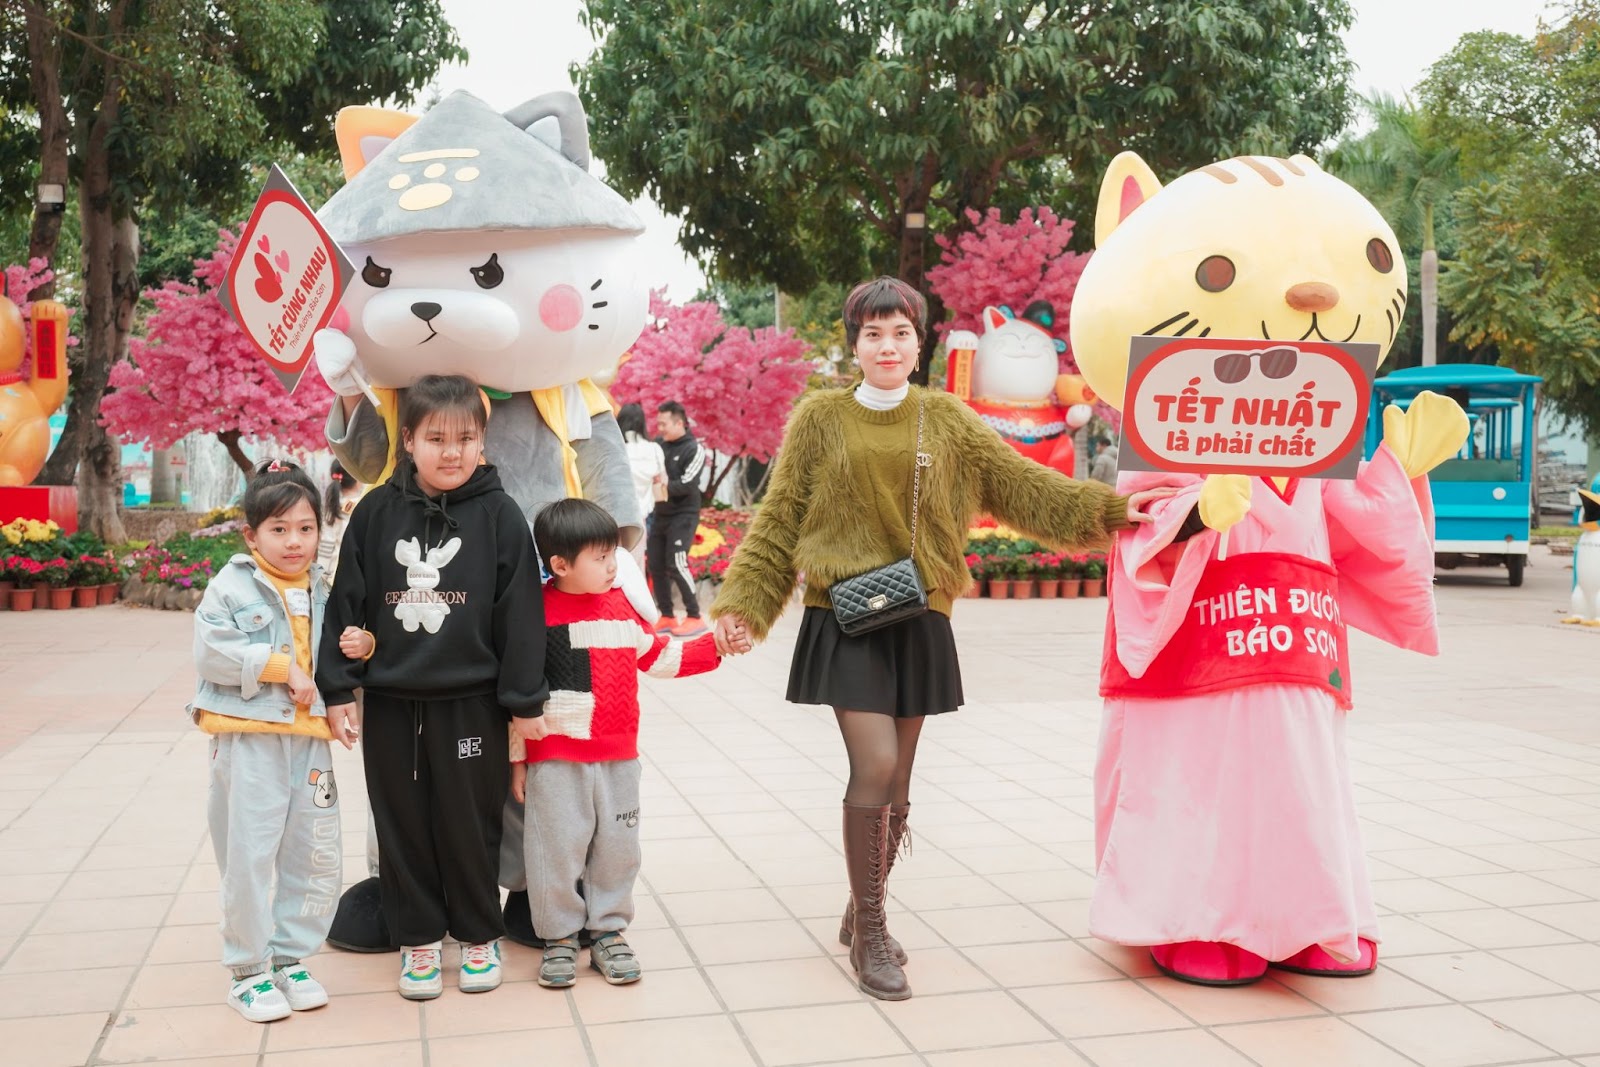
pixel 240 622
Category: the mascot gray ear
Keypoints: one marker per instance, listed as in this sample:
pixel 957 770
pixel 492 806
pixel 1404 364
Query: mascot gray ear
pixel 571 122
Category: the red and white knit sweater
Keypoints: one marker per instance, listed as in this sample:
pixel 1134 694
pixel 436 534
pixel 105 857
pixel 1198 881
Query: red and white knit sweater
pixel 595 647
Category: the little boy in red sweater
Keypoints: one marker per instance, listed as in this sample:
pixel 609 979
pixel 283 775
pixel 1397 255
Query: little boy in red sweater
pixel 581 783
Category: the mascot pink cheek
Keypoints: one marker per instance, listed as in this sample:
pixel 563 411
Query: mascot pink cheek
pixel 561 308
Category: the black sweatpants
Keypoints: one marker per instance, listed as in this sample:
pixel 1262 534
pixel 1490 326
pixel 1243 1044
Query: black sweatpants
pixel 438 772
pixel 668 555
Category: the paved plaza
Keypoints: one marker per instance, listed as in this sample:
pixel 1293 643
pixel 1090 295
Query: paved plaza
pixel 1478 780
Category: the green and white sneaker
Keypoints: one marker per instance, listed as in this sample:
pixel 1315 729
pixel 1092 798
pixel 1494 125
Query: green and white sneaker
pixel 480 967
pixel 420 975
pixel 258 999
pixel 302 991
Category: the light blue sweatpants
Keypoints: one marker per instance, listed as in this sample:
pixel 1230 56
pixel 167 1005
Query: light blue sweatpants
pixel 274 813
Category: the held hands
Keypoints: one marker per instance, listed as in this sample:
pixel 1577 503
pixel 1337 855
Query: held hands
pixel 1426 434
pixel 519 782
pixel 344 722
pixel 356 643
pixel 301 687
pixel 525 728
pixel 1224 501
pixel 1143 499
pixel 732 636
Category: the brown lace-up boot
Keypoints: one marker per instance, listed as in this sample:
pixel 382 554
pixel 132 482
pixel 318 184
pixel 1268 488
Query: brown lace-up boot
pixel 898 830
pixel 866 846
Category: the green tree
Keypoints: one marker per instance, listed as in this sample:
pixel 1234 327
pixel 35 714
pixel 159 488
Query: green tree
pixel 817 140
pixel 147 105
pixel 1527 267
pixel 1410 174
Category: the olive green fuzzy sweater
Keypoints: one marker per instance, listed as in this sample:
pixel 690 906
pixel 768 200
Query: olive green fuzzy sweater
pixel 839 502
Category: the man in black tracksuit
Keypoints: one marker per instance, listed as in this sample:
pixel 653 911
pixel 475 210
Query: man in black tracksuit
pixel 676 518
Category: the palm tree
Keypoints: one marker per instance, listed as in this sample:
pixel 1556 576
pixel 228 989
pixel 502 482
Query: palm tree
pixel 1407 172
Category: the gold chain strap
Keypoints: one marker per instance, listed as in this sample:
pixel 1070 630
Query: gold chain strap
pixel 920 460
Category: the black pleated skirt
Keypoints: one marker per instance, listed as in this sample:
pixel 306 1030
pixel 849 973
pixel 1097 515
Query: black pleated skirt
pixel 906 670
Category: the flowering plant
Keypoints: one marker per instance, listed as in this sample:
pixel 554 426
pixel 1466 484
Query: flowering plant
pixel 58 572
pixel 1094 567
pixel 715 540
pixel 977 566
pixel 34 539
pixel 21 569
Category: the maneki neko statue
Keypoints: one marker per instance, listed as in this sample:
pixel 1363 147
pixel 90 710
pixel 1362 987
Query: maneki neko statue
pixel 29 397
pixel 1226 837
pixel 483 247
pixel 1011 377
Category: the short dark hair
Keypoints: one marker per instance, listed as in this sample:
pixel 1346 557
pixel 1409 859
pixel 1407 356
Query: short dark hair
pixel 569 526
pixel 442 394
pixel 1103 441
pixel 631 420
pixel 879 298
pixel 672 407
pixel 276 486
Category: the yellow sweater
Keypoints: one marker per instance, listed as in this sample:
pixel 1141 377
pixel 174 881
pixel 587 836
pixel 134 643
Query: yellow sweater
pixel 839 502
pixel 277 670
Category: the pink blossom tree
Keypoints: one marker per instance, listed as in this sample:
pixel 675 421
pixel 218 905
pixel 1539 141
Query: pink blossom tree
pixel 1008 263
pixel 738 385
pixel 194 371
pixel 20 281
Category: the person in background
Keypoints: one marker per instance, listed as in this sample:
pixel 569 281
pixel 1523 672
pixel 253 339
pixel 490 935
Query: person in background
pixel 675 521
pixel 649 465
pixel 1104 466
pixel 337 503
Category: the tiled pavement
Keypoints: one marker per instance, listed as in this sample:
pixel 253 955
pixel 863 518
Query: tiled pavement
pixel 1479 784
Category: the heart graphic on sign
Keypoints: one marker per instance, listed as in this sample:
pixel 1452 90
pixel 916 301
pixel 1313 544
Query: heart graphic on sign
pixel 282 260
pixel 264 244
pixel 268 283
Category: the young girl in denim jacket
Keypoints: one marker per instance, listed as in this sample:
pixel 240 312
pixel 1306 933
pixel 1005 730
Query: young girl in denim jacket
pixel 274 809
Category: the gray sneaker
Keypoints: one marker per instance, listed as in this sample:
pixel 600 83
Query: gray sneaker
pixel 613 957
pixel 559 968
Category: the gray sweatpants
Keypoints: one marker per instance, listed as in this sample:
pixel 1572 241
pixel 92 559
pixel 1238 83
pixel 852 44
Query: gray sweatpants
pixel 274 814
pixel 582 823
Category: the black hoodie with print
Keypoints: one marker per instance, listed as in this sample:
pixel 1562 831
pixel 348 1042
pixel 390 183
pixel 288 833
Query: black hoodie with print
pixel 449 588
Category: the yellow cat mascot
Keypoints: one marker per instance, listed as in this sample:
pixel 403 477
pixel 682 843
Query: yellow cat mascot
pixel 1226 837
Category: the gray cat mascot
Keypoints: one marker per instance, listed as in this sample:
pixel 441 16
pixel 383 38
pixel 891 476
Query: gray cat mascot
pixel 484 247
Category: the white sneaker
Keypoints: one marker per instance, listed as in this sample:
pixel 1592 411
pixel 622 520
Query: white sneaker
pixel 480 967
pixel 302 991
pixel 420 975
pixel 257 999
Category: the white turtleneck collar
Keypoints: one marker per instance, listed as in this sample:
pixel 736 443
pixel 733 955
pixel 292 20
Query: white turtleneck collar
pixel 875 399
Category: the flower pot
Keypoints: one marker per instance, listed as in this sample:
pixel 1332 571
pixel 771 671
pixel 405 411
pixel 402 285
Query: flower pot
pixel 1048 588
pixel 1093 586
pixel 974 591
pixel 1069 588
pixel 20 599
pixel 61 598
pixel 1022 589
pixel 5 594
pixel 108 593
pixel 86 596
pixel 999 588
pixel 41 593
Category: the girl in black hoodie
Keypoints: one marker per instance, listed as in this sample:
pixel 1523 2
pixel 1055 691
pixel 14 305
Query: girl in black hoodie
pixel 436 613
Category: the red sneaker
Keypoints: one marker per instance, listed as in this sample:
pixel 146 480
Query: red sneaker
pixel 1315 961
pixel 665 624
pixel 690 627
pixel 1209 963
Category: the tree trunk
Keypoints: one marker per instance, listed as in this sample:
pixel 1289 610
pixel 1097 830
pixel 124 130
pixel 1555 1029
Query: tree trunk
pixel 100 470
pixel 163 487
pixel 230 441
pixel 44 77
pixel 1430 307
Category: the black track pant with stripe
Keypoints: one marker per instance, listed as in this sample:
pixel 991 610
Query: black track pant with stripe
pixel 437 775
pixel 668 555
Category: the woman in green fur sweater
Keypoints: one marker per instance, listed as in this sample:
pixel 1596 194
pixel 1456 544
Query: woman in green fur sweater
pixel 839 504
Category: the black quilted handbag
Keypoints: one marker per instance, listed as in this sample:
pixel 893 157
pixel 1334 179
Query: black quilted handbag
pixel 891 593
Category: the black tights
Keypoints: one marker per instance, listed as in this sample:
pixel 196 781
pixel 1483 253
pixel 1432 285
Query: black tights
pixel 882 749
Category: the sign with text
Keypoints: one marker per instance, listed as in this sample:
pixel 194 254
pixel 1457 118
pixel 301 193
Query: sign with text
pixel 1211 405
pixel 286 279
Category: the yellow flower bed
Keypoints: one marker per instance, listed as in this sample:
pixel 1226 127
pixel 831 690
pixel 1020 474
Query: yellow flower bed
pixel 707 540
pixel 20 530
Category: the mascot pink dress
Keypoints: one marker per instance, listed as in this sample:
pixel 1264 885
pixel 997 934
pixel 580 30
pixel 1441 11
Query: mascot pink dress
pixel 1226 834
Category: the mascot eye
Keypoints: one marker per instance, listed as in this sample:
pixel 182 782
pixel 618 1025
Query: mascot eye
pixel 374 275
pixel 489 275
pixel 1379 256
pixel 1214 274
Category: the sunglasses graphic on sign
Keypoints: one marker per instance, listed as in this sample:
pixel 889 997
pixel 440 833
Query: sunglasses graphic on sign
pixel 1234 367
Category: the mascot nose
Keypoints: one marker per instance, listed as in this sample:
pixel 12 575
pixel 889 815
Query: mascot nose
pixel 561 308
pixel 425 310
pixel 1311 296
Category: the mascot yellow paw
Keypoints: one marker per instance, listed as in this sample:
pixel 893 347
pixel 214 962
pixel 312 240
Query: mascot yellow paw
pixel 1224 501
pixel 1426 434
